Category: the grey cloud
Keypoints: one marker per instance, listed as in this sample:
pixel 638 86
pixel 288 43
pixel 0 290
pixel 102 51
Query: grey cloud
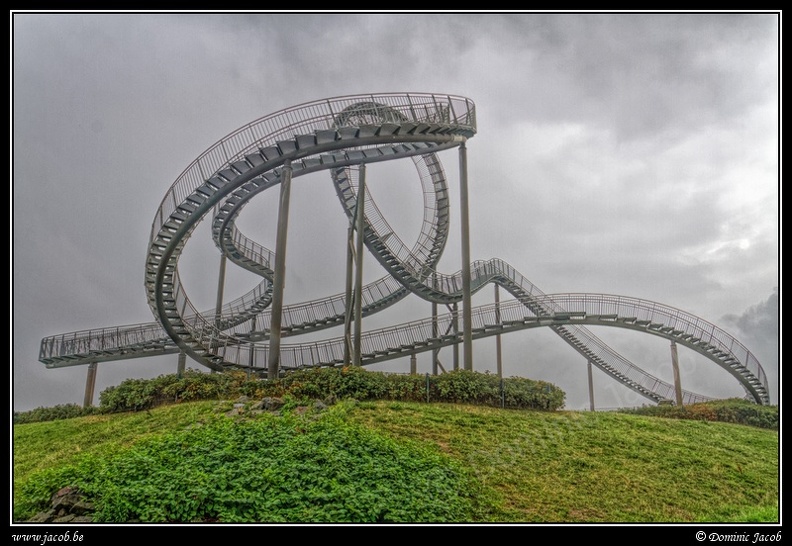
pixel 605 160
pixel 758 327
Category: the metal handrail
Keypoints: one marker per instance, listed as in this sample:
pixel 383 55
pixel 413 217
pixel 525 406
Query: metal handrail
pixel 222 340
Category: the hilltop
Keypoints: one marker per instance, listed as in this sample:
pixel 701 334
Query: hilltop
pixel 394 461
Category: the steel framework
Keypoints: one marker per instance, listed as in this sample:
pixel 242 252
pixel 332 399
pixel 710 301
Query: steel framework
pixel 342 135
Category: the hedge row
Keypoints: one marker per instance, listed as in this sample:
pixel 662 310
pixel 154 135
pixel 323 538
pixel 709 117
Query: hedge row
pixel 732 410
pixel 52 413
pixel 460 386
pixel 319 383
pixel 140 394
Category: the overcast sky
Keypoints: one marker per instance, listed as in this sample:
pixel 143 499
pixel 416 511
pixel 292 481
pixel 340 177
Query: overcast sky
pixel 616 153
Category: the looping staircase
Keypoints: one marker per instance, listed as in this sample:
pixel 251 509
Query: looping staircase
pixel 339 135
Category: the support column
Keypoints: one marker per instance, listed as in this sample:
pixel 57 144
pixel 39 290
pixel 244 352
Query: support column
pixel 413 364
pixel 181 364
pixel 273 363
pixel 677 381
pixel 349 297
pixel 435 329
pixel 467 316
pixel 498 352
pixel 252 355
pixel 220 287
pixel 591 387
pixel 90 384
pixel 360 220
pixel 455 315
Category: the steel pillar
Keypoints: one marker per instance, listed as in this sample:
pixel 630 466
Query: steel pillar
pixel 677 381
pixel 90 384
pixel 435 329
pixel 455 319
pixel 413 364
pixel 252 346
pixel 498 352
pixel 273 364
pixel 591 387
pixel 349 295
pixel 360 219
pixel 181 364
pixel 467 313
pixel 220 287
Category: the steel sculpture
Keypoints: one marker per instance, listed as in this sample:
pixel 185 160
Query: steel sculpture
pixel 342 135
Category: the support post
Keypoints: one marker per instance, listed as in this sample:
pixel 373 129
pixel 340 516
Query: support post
pixel 251 356
pixel 273 363
pixel 90 384
pixel 435 329
pixel 220 287
pixel 181 364
pixel 677 381
pixel 591 387
pixel 413 364
pixel 467 313
pixel 360 226
pixel 349 297
pixel 498 352
pixel 455 315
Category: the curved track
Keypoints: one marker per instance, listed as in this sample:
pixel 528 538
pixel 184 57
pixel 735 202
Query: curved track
pixel 339 135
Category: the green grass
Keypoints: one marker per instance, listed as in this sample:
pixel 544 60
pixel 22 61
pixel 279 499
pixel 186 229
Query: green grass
pixel 484 464
pixel 605 467
pixel 53 443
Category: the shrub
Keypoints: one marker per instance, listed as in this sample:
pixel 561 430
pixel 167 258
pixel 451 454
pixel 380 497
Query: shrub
pixel 140 394
pixel 459 386
pixel 732 410
pixel 405 388
pixel 466 387
pixel 61 411
pixel 463 386
pixel 346 382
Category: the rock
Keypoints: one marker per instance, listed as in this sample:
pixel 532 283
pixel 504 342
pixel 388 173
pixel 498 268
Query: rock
pixel 272 403
pixel 82 507
pixel 67 506
pixel 42 517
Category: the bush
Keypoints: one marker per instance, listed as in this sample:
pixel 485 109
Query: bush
pixel 732 410
pixel 520 392
pixel 459 386
pixel 465 387
pixel 346 382
pixel 61 411
pixel 405 388
pixel 140 394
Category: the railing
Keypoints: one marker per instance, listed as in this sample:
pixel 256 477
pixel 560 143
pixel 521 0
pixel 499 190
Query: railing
pixel 224 339
pixel 308 118
pixel 392 339
pixel 305 119
pixel 670 317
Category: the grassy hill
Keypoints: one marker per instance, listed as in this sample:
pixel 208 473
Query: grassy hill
pixel 390 461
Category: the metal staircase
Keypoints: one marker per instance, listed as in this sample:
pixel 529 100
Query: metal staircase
pixel 339 135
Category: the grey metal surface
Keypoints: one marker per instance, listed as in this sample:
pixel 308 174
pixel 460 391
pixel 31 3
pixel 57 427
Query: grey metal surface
pixel 339 135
